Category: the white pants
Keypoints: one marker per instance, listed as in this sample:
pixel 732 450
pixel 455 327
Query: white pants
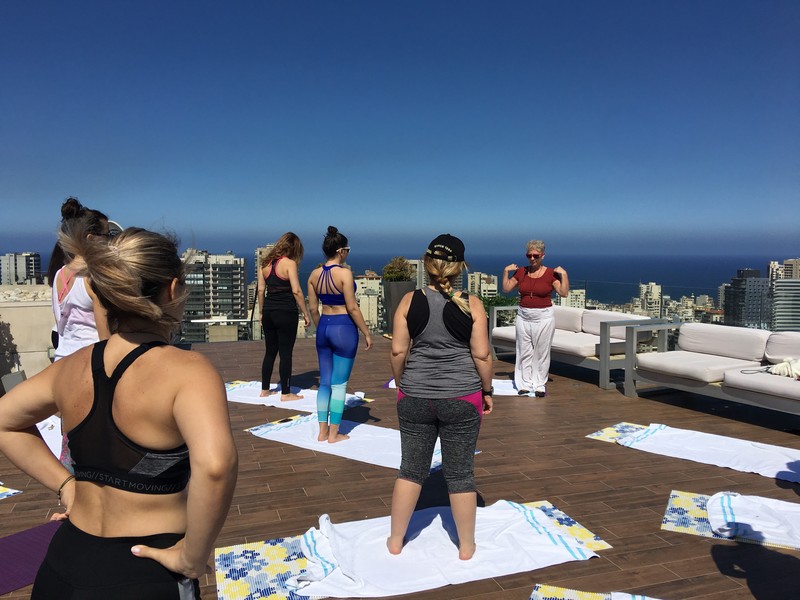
pixel 535 329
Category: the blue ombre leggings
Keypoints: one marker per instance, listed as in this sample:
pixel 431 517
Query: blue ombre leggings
pixel 337 344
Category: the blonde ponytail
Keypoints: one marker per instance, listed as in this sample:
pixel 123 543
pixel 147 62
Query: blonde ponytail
pixel 442 273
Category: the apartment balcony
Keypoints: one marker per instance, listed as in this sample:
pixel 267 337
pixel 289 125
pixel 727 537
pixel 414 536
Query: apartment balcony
pixel 530 449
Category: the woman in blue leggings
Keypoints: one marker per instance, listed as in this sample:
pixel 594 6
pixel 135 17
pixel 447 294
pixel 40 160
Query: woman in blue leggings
pixel 337 332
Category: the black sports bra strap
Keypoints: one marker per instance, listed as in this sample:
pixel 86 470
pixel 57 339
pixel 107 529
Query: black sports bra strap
pixel 97 357
pixel 130 357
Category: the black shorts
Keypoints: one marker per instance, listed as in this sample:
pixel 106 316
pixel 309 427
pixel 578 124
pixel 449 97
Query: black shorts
pixel 80 566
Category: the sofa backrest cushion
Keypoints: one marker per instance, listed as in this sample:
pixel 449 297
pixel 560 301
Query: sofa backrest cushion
pixel 593 318
pixel 782 345
pixel 722 340
pixel 568 318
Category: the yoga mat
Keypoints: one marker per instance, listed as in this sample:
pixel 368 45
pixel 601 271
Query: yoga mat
pixel 687 512
pixel 551 592
pixel 741 455
pixel 502 387
pixel 367 443
pixel 247 392
pixel 351 560
pixel 21 554
pixel 6 492
pixel 259 570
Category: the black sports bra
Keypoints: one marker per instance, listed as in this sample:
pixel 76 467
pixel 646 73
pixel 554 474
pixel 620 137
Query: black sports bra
pixel 104 455
pixel 458 324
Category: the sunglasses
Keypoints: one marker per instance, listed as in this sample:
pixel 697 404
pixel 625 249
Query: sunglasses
pixel 535 256
pixel 345 248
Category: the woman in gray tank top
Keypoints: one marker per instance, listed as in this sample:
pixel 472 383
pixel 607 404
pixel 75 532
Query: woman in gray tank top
pixel 443 368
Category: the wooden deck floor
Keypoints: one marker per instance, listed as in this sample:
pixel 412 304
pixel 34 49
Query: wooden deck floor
pixel 531 449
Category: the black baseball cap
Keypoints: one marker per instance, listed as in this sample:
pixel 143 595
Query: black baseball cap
pixel 446 247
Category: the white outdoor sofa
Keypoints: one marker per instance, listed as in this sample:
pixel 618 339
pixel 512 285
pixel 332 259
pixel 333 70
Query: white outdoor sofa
pixel 593 339
pixel 719 361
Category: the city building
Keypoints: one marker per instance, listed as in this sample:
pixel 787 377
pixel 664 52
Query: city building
pixel 369 295
pixel 786 305
pixel 791 269
pixel 482 284
pixel 216 306
pixel 575 299
pixel 650 297
pixel 420 276
pixel 747 300
pixel 20 268
pixel 260 253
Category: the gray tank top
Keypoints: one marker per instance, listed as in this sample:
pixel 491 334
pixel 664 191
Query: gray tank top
pixel 439 365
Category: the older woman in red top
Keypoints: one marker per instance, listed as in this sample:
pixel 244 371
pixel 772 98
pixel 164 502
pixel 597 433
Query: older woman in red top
pixel 535 317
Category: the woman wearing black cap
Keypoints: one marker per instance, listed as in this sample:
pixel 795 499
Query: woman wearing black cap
pixel 443 366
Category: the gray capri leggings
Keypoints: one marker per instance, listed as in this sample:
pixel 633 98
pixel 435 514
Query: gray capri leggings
pixel 456 422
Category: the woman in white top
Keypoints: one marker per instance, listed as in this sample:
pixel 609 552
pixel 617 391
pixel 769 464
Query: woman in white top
pixel 80 318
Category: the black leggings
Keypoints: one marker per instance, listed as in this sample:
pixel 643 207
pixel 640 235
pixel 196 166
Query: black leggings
pixel 80 566
pixel 280 333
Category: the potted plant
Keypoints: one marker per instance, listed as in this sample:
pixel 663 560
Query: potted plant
pixel 397 282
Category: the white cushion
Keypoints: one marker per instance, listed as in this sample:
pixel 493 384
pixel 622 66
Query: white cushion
pixel 507 333
pixel 593 318
pixel 568 318
pixel 766 383
pixel 783 345
pixel 733 342
pixel 581 344
pixel 708 368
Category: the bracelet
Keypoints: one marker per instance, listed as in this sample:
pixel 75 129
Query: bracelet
pixel 61 487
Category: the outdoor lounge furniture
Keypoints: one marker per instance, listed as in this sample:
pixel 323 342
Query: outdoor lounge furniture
pixel 719 361
pixel 593 339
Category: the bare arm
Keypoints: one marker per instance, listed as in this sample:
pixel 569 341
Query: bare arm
pixel 100 316
pixel 20 409
pixel 262 288
pixel 561 286
pixel 401 339
pixel 509 283
pixel 479 348
pixel 352 305
pixel 297 291
pixel 313 300
pixel 201 413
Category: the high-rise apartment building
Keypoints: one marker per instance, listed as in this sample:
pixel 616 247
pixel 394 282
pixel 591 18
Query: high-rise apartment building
pixel 217 290
pixel 20 267
pixel 369 296
pixel 786 305
pixel 747 300
pixel 574 299
pixel 791 269
pixel 650 296
pixel 482 284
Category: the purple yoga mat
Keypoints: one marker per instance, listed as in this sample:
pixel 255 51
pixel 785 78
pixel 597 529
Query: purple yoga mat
pixel 21 554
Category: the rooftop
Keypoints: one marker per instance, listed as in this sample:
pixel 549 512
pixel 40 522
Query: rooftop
pixel 531 449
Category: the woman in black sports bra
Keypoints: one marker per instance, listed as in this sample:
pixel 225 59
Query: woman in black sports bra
pixel 280 301
pixel 143 420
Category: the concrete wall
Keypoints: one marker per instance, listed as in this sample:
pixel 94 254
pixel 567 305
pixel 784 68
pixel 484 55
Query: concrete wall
pixel 25 336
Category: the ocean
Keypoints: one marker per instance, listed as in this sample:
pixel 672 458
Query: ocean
pixel 608 279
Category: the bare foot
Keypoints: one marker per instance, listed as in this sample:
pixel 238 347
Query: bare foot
pixel 466 551
pixel 288 397
pixel 394 546
pixel 265 393
pixel 339 437
pixel 324 432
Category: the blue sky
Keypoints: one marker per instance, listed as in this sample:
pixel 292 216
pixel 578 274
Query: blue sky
pixel 601 127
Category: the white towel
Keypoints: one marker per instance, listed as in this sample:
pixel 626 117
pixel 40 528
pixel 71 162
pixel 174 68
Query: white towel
pixel 742 455
pixel 502 387
pixel 754 518
pixel 351 560
pixel 367 443
pixel 50 430
pixel 247 392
